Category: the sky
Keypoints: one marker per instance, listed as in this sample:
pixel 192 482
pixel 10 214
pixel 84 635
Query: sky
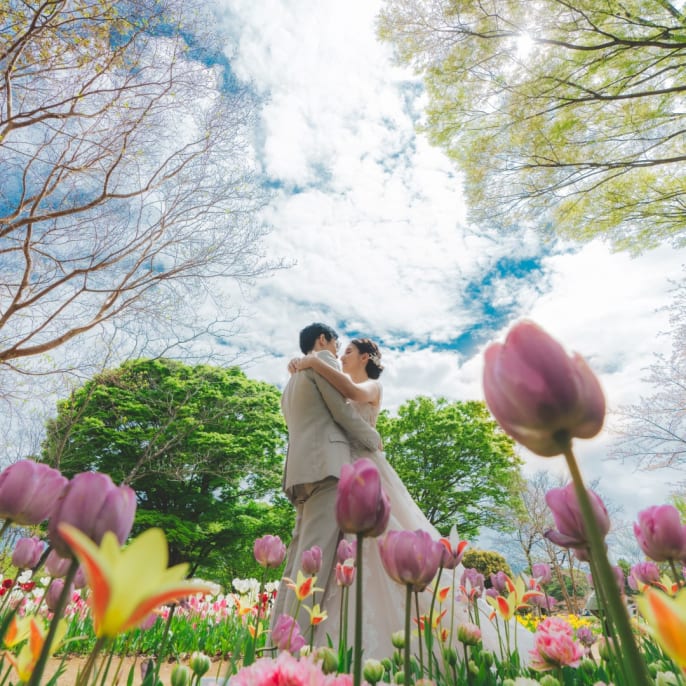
pixel 372 220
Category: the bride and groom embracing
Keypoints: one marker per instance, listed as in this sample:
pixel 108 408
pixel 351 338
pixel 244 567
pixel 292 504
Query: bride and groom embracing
pixel 331 417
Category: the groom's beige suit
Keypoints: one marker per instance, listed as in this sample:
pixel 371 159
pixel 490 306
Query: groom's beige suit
pixel 322 426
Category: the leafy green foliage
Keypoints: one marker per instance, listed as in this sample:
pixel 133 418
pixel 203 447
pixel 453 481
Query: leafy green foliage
pixel 202 447
pixel 455 461
pixel 486 562
pixel 564 114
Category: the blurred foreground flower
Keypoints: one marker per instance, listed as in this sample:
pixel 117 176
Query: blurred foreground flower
pixel 555 646
pixel 666 617
pixel 539 395
pixel 128 584
pixel 25 662
pixel 286 669
pixel 660 533
pixel 29 491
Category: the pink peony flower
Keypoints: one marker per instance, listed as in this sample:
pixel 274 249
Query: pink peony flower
pixel 541 396
pixel 555 646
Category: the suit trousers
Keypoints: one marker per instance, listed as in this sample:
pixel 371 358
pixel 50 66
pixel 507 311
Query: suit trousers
pixel 315 524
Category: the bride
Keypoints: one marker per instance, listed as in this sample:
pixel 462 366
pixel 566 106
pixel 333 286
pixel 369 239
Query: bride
pixel 384 599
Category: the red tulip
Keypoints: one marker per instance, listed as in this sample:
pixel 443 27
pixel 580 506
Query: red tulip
pixel 411 557
pixel 538 394
pixel 361 504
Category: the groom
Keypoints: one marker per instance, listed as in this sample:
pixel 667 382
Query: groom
pixel 321 428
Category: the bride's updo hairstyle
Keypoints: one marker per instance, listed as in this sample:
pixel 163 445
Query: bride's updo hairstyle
pixel 374 366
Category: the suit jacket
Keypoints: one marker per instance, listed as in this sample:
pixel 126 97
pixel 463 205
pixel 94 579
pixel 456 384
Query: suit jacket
pixel 321 427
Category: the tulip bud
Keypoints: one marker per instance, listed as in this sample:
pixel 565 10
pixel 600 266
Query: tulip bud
pixel 29 491
pixel 180 675
pixel 450 656
pixel 361 504
pixel 93 504
pixel 311 560
pixel 487 658
pixel 398 639
pixel 549 680
pixel 661 534
pixel 373 671
pixel 199 663
pixel 666 679
pixel 538 394
pixel 542 572
pixel 347 550
pixel 328 658
pixel 27 552
pixel 399 678
pixel 469 634
pixel 473 667
pixel 54 592
pixel 387 664
pixel 269 551
pixel 80 578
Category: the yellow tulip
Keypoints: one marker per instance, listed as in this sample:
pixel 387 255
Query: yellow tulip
pixel 25 662
pixel 127 584
pixel 666 617
pixel 18 629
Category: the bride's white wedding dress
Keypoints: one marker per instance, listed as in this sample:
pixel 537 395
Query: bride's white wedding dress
pixel 384 599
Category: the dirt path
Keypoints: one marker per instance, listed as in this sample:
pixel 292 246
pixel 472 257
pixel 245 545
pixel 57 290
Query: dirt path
pixel 73 665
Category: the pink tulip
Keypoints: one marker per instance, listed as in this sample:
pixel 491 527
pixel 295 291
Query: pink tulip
pixel 571 532
pixel 347 550
pixel 27 552
pixel 269 551
pixel 345 574
pixel 362 507
pixel 286 634
pixel 472 583
pixel 542 573
pixel 554 646
pixel 54 592
pixel 80 578
pixel 411 557
pixel 499 581
pixel 29 491
pixel 56 565
pixel 643 573
pixel 661 534
pixel 94 504
pixel 311 560
pixel 539 395
pixel 469 634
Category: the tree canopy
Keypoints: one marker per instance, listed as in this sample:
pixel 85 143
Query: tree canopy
pixel 455 461
pixel 560 114
pixel 127 183
pixel 202 446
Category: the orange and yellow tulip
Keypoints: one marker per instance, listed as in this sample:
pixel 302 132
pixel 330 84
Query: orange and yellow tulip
pixel 127 584
pixel 25 662
pixel 666 617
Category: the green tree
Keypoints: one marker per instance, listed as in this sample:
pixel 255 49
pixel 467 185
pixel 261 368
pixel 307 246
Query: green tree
pixel 486 562
pixel 202 446
pixel 455 461
pixel 559 113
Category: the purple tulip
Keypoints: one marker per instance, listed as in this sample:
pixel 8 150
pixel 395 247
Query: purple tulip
pixel 539 395
pixel 94 504
pixel 29 491
pixel 347 550
pixel 80 580
pixel 362 507
pixel 311 560
pixel 542 573
pixel 27 552
pixel 411 557
pixel 286 634
pixel 643 573
pixel 269 551
pixel 472 583
pixel 499 582
pixel 56 565
pixel 585 636
pixel 661 534
pixel 492 592
pixel 54 592
pixel 543 601
pixel 570 532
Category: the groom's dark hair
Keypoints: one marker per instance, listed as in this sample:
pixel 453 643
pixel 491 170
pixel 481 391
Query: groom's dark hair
pixel 312 332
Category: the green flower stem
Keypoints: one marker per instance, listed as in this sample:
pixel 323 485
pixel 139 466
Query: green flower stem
pixel 408 612
pixel 429 633
pixel 84 676
pixel 161 653
pixel 421 637
pixel 637 672
pixel 678 578
pixel 249 657
pixel 38 670
pixel 357 657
